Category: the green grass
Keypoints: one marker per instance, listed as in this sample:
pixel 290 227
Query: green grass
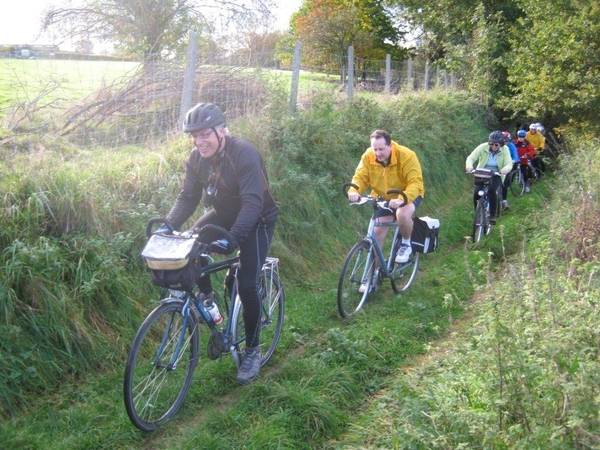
pixel 60 82
pixel 75 292
pixel 523 371
pixel 325 372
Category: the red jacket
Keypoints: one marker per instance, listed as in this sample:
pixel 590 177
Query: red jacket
pixel 525 150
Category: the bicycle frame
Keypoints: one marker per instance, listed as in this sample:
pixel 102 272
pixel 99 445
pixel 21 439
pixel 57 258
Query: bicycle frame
pixel 481 221
pixel 227 342
pixel 190 298
pixel 166 349
pixel 378 251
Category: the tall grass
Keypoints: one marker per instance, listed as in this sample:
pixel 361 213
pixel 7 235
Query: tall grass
pixel 526 372
pixel 73 290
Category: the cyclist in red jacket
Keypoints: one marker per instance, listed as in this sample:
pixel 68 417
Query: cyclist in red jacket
pixel 526 152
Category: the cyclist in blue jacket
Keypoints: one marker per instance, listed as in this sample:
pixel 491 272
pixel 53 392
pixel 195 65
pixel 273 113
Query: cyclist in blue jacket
pixel 515 159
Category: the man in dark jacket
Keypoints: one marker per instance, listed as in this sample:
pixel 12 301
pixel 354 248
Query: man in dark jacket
pixel 231 172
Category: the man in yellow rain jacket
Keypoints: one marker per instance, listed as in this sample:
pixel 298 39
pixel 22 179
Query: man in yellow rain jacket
pixel 537 139
pixel 387 165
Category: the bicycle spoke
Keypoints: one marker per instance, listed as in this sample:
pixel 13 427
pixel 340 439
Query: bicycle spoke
pixel 404 274
pixel 357 270
pixel 271 318
pixel 160 366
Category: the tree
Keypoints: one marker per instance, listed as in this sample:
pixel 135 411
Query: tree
pixel 258 49
pixel 146 27
pixel 530 58
pixel 328 27
pixel 555 66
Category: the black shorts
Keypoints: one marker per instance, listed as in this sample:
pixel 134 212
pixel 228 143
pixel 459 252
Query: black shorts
pixel 386 212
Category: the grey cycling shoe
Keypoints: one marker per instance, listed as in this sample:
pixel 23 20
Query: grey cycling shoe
pixel 250 366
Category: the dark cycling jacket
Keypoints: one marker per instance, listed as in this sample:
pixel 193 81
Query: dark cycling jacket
pixel 243 197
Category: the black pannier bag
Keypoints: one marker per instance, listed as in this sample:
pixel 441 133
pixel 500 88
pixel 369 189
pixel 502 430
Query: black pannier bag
pixel 424 238
pixel 173 260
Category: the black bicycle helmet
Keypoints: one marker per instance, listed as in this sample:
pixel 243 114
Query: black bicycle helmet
pixel 203 116
pixel 496 137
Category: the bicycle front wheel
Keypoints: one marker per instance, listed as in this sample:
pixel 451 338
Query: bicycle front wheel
pixel 160 366
pixel 480 221
pixel 270 290
pixel 356 279
pixel 404 274
pixel 517 184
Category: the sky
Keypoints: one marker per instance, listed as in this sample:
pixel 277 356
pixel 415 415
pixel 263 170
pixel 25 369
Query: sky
pixel 20 19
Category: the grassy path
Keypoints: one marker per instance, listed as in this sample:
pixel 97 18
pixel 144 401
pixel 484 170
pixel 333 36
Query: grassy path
pixel 326 379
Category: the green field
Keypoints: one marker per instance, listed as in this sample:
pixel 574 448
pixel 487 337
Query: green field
pixel 58 81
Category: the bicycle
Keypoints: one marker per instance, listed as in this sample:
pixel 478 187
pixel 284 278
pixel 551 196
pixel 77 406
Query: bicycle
pixel 166 349
pixel 518 182
pixel 481 222
pixel 366 265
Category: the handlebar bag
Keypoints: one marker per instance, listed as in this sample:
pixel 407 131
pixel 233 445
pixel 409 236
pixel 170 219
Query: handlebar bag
pixel 424 238
pixel 482 176
pixel 173 260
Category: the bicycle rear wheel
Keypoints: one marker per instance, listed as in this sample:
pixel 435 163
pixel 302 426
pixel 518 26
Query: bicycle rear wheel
pixel 272 312
pixel 404 274
pixel 480 221
pixel 358 269
pixel 160 366
pixel 517 184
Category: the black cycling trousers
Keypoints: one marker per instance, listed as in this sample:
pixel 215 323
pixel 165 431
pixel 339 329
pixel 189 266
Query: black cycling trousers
pixel 253 252
pixel 526 173
pixel 494 188
pixel 538 163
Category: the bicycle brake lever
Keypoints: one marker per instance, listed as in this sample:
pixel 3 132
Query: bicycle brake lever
pixel 362 201
pixel 385 205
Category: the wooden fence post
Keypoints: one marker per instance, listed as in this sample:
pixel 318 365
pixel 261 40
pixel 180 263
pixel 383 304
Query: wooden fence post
pixel 295 78
pixel 350 86
pixel 187 93
pixel 388 72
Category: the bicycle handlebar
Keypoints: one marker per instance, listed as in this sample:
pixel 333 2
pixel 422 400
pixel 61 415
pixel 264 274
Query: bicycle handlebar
pixel 484 173
pixel 160 220
pixel 197 232
pixel 346 187
pixel 215 229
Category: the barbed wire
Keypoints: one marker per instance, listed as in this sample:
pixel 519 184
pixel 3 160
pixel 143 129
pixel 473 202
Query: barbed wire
pixel 118 103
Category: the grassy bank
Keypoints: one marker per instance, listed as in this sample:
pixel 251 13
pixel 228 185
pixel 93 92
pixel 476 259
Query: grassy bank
pixel 74 290
pixel 524 372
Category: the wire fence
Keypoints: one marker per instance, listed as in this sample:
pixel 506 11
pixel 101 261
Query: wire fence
pixel 119 103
